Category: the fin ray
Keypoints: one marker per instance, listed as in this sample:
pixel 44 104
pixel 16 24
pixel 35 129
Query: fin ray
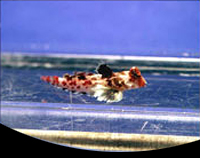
pixel 109 95
pixel 104 70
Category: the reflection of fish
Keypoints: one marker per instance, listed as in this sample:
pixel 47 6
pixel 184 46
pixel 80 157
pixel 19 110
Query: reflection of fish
pixel 105 86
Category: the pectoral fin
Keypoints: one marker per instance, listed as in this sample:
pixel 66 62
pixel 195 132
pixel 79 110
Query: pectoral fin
pixel 109 95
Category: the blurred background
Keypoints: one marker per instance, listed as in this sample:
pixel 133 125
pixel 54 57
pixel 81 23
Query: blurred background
pixel 101 27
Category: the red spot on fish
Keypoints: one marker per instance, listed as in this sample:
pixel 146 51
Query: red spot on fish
pixel 69 78
pixel 87 82
pixel 72 83
pixel 55 80
pixel 131 79
pixel 64 83
pixel 46 78
pixel 78 87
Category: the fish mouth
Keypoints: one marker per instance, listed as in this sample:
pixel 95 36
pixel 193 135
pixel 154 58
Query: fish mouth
pixel 143 82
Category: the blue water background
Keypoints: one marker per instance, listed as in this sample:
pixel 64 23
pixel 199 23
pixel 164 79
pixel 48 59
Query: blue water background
pixel 158 28
pixel 164 91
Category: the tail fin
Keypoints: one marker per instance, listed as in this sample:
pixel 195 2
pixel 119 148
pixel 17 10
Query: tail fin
pixel 109 95
pixel 51 79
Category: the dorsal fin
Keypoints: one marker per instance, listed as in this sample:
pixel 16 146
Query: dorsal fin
pixel 104 70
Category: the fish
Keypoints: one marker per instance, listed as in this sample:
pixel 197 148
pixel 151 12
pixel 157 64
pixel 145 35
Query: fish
pixel 105 85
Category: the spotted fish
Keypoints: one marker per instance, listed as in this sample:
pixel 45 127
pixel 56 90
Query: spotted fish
pixel 105 85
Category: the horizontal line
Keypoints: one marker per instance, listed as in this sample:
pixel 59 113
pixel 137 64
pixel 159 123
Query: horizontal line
pixel 135 58
pixel 109 57
pixel 103 114
pixel 138 116
pixel 101 107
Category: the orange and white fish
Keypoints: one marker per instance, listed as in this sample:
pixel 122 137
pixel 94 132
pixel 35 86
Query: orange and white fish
pixel 106 85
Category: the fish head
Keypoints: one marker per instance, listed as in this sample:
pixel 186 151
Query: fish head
pixel 136 77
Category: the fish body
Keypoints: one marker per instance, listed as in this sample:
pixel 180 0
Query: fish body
pixel 105 85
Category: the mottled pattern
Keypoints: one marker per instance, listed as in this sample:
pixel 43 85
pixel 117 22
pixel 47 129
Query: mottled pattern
pixel 106 86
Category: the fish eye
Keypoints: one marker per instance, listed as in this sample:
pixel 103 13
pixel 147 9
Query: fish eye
pixel 135 73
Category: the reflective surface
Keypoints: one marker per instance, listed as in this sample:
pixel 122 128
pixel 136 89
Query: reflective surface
pixel 101 118
pixel 169 105
pixel 163 90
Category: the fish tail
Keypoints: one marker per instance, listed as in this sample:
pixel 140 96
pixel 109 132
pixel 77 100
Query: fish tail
pixel 60 82
pixel 54 80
